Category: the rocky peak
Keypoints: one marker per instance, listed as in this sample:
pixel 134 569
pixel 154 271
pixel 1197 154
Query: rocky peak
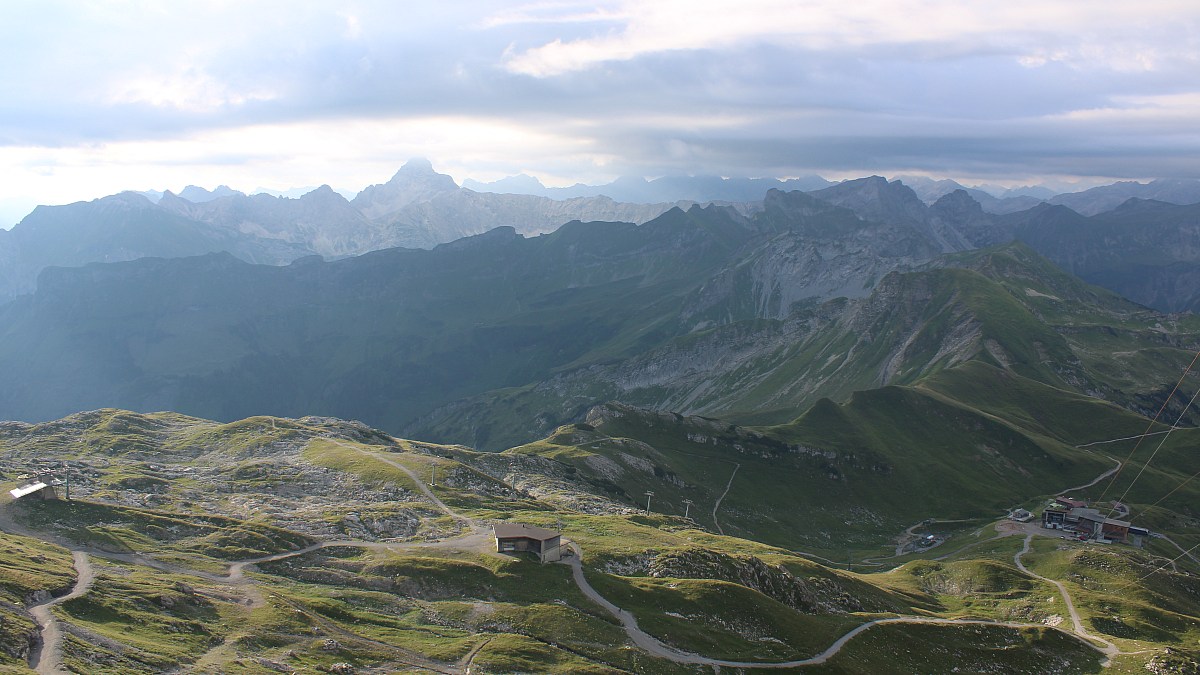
pixel 416 181
pixel 197 195
pixel 322 195
pixel 958 202
pixel 874 198
pixel 958 216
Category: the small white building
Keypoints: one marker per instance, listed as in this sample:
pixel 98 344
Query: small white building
pixel 38 489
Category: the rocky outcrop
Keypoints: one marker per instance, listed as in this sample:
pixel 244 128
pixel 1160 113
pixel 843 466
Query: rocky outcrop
pixel 415 181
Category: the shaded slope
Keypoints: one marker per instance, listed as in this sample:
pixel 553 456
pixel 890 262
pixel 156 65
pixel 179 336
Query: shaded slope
pixel 377 337
pixel 1006 307
pixel 1147 251
pixel 864 470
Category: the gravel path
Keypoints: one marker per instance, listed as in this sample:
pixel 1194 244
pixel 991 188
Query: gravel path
pixel 717 504
pixel 655 647
pixel 1109 649
pixel 46 658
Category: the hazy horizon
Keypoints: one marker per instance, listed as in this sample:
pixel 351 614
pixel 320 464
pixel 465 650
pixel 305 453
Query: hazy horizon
pixel 15 215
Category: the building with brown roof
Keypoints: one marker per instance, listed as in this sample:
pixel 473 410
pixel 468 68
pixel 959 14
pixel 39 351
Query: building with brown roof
pixel 514 537
pixel 1095 524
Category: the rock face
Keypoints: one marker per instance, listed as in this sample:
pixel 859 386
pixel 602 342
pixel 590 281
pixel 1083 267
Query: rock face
pixel 320 222
pixel 416 181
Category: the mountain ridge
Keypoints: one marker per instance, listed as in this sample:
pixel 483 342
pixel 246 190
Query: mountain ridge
pixel 771 306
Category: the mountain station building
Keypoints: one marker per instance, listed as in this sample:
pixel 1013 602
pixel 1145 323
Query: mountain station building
pixel 1094 525
pixel 41 487
pixel 514 537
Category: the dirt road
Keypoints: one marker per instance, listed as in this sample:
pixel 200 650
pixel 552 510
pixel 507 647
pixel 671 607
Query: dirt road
pixel 46 658
pixel 1110 650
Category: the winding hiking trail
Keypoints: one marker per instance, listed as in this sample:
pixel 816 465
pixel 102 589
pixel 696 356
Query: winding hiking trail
pixel 717 504
pixel 1182 550
pixel 1109 649
pixel 415 479
pixel 46 657
pixel 1097 479
pixel 656 647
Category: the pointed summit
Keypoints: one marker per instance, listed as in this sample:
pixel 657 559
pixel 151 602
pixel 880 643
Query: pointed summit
pixel 416 181
pixel 417 165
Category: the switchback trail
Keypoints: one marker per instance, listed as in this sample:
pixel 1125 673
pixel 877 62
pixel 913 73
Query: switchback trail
pixel 420 483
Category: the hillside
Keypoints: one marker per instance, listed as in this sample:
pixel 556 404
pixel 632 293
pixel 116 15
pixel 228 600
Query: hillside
pixel 969 442
pixel 1143 250
pixel 495 340
pixel 274 545
pixel 1005 307
pixel 388 337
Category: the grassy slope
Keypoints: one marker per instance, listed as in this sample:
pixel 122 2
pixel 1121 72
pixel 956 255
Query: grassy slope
pixel 851 469
pixel 26 566
pixel 1005 307
pixel 385 607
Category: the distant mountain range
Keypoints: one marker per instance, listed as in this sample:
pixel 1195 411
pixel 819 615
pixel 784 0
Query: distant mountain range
pixel 420 208
pixel 700 189
pixel 496 338
pixel 993 199
pixel 417 208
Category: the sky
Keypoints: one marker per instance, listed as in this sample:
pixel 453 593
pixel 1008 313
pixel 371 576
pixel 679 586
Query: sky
pixel 101 96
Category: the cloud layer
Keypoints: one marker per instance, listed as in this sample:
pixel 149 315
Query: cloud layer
pixel 102 96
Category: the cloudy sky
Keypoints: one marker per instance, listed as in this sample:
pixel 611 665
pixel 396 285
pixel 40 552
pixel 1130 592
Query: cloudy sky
pixel 99 96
